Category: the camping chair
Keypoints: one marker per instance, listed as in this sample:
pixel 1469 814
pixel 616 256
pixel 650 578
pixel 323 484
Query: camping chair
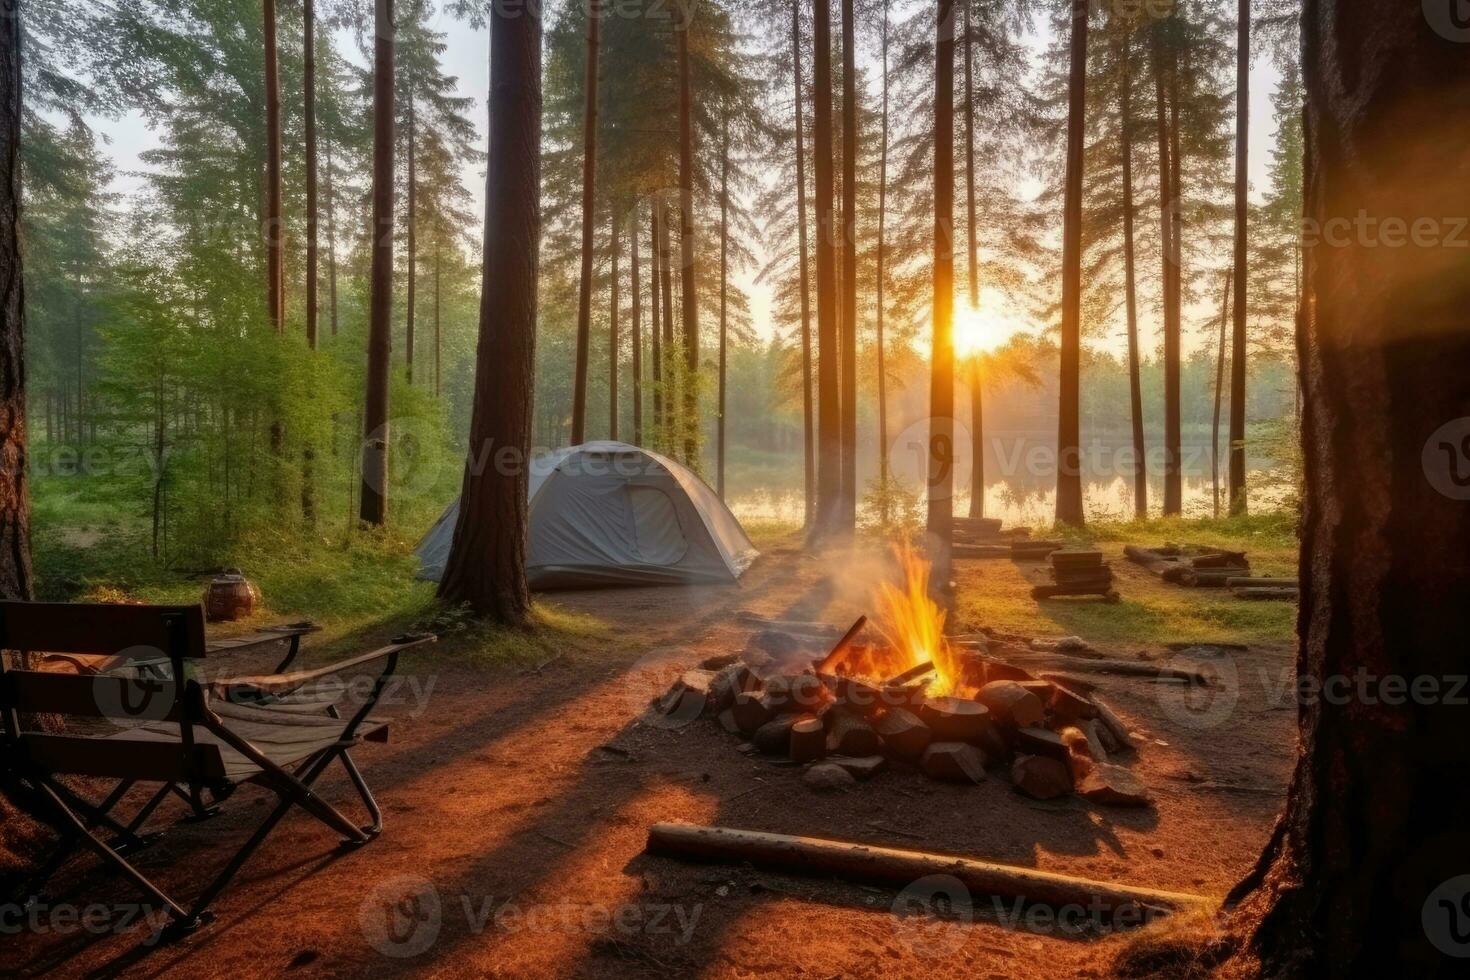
pixel 182 734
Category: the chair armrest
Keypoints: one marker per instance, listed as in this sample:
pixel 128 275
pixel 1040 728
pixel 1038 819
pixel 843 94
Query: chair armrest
pixel 277 684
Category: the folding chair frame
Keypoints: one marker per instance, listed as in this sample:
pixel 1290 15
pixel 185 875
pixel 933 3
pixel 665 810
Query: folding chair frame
pixel 81 819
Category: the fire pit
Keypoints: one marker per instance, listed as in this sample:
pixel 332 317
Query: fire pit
pixel 903 694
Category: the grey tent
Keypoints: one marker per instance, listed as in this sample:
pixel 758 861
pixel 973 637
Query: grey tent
pixel 610 514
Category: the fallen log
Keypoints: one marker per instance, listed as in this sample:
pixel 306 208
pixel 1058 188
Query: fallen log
pixel 894 866
pixel 1103 589
pixel 1263 582
pixel 1130 668
pixel 1211 578
pixel 981 551
pixel 1279 594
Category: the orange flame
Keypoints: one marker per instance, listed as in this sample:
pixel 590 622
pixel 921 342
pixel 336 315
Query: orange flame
pixel 913 623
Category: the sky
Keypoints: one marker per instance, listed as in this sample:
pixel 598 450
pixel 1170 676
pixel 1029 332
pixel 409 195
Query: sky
pixel 466 58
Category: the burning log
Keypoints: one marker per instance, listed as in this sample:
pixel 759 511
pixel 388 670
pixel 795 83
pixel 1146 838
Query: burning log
pixel 955 719
pixel 843 643
pixel 912 674
pixel 892 866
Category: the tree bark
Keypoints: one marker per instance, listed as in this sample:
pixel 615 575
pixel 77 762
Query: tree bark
pixel 829 407
pixel 634 274
pixel 1242 217
pixel 809 449
pixel 275 229
pixel 589 194
pixel 1130 286
pixel 977 439
pixel 655 284
pixel 1168 206
pixel 16 579
pixel 309 81
pixel 1219 392
pixel 438 325
pixel 374 505
pixel 411 304
pixel 613 341
pixel 487 562
pixel 847 512
pixel 881 275
pixel 939 519
pixel 690 272
pixel 972 244
pixel 669 432
pixel 724 298
pixel 331 241
pixel 1359 877
pixel 1069 435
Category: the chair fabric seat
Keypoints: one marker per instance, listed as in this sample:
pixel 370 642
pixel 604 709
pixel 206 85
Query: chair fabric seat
pixel 285 737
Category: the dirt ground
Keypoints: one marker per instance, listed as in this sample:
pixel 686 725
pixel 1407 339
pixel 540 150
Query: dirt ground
pixel 514 840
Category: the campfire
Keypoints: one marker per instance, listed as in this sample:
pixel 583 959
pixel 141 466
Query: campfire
pixel 900 692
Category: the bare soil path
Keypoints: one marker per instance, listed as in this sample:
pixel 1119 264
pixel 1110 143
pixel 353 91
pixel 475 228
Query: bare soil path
pixel 514 836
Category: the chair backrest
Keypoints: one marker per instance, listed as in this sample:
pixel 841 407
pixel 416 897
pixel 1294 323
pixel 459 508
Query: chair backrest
pixel 136 632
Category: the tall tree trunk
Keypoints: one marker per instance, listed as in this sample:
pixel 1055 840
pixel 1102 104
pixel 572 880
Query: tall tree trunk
pixel 829 427
pixel 881 276
pixel 1364 876
pixel 1219 392
pixel 374 506
pixel 670 355
pixel 655 286
pixel 690 279
pixel 1130 275
pixel 1169 249
pixel 809 447
pixel 973 244
pixel 413 240
pixel 847 513
pixel 438 325
pixel 1069 434
pixel 637 292
pixel 977 438
pixel 724 290
pixel 487 561
pixel 939 523
pixel 16 579
pixel 1242 278
pixel 331 241
pixel 589 221
pixel 275 228
pixel 309 70
pixel 613 342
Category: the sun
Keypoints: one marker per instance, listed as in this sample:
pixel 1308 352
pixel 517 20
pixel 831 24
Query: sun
pixel 982 330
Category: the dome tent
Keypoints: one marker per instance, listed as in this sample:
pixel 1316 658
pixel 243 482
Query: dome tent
pixel 606 514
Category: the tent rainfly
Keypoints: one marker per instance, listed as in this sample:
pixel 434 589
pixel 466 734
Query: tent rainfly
pixel 607 514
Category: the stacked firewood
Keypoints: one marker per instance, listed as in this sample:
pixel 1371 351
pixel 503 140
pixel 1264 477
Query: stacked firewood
pixel 1050 738
pixel 1078 573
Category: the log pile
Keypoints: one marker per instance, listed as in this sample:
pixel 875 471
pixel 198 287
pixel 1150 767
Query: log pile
pixel 1051 739
pixel 1194 566
pixel 1078 573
